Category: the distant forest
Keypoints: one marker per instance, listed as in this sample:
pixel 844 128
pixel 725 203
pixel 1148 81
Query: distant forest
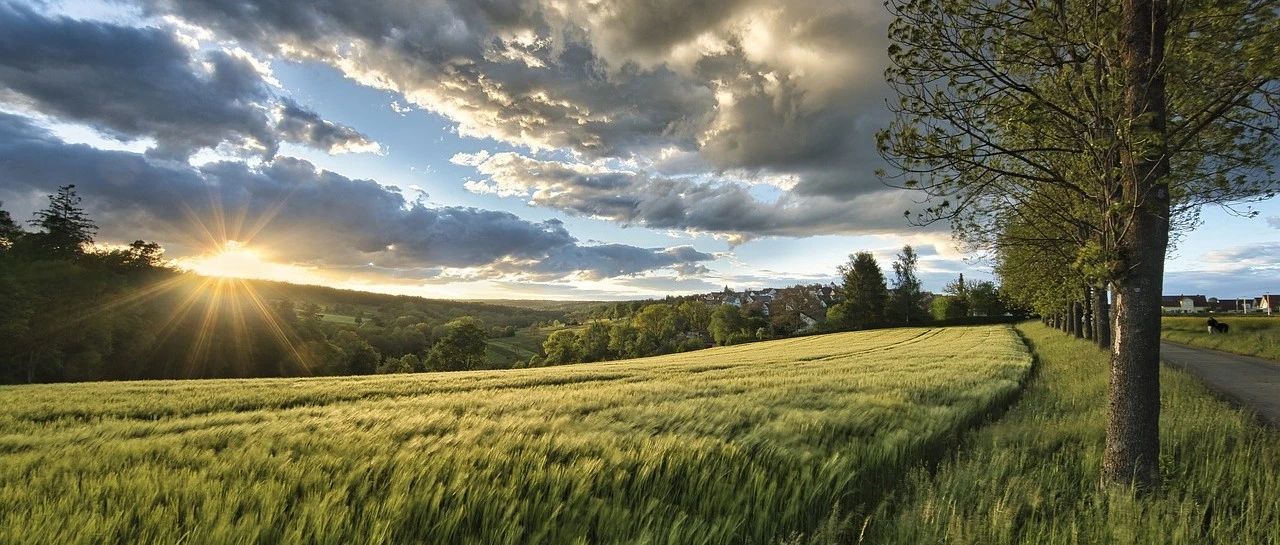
pixel 73 311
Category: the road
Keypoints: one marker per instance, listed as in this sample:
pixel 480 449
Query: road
pixel 1252 382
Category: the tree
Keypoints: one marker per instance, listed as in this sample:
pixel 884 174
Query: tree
pixel 66 228
pixel 358 357
pixel 658 325
pixel 1111 122
pixel 461 348
pixel 907 298
pixel 696 316
pixel 593 342
pixel 726 323
pixel 624 340
pixel 794 309
pixel 949 307
pixel 9 230
pixel 407 363
pixel 561 347
pixel 984 299
pixel 864 292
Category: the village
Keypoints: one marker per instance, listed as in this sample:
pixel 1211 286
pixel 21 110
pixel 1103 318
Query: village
pixel 1199 304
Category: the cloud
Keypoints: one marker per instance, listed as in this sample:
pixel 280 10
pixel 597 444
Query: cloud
pixel 1245 270
pixel 310 217
pixel 1273 222
pixel 765 88
pixel 132 83
pixel 663 202
pixel 1262 256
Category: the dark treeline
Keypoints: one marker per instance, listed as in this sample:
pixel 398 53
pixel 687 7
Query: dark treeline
pixel 73 311
pixel 863 300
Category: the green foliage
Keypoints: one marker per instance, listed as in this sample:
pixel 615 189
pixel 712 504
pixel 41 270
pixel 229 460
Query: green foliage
pixel 984 299
pixel 357 357
pixel 864 292
pixel 9 230
pixel 461 348
pixel 906 300
pixel 1032 476
pixel 727 325
pixel 949 307
pixel 748 444
pixel 593 342
pixel 561 347
pixel 65 229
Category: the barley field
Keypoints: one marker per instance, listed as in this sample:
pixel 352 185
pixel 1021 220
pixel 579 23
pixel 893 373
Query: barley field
pixel 756 443
pixel 1033 476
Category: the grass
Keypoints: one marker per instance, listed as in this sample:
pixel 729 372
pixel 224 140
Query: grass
pixel 338 318
pixel 1033 476
pixel 527 342
pixel 749 444
pixel 1250 335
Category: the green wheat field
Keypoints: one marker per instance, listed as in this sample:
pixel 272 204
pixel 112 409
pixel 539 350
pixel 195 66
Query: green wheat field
pixel 755 443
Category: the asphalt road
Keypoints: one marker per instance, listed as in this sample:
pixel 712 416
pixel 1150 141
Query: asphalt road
pixel 1254 383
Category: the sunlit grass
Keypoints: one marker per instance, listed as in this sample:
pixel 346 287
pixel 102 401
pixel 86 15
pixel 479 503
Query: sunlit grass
pixel 745 444
pixel 1033 476
pixel 1249 335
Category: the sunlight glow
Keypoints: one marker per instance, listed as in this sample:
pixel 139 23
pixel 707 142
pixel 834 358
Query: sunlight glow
pixel 232 260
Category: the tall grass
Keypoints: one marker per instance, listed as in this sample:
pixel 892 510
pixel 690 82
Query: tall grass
pixel 1033 477
pixel 1249 335
pixel 747 444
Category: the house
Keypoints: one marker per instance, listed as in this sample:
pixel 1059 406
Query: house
pixel 1183 304
pixel 1230 306
pixel 1269 304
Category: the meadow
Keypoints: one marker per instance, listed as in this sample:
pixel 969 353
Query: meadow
pixel 757 443
pixel 1250 335
pixel 1033 476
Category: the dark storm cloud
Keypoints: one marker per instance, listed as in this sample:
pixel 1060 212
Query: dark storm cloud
pixel 759 87
pixel 143 82
pixel 304 215
pixel 667 203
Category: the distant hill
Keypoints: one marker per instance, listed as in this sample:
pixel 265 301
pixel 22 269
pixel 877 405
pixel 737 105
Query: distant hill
pixel 497 313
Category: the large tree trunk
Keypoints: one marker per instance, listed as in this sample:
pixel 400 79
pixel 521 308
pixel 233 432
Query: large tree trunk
pixel 1101 317
pixel 1077 320
pixel 1087 313
pixel 1133 432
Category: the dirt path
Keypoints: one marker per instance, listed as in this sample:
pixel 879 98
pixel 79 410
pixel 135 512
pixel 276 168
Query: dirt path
pixel 1254 383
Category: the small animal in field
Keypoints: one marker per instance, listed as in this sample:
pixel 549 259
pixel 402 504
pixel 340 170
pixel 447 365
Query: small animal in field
pixel 1217 327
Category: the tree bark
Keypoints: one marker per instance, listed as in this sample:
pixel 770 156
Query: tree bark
pixel 1077 320
pixel 1133 433
pixel 1087 313
pixel 1101 318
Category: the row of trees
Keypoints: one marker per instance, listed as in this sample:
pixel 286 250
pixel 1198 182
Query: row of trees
pixel 866 300
pixel 1071 139
pixel 863 300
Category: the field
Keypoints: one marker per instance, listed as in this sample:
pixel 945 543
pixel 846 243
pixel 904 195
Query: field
pixel 1033 476
pixel 1251 336
pixel 504 352
pixel 756 443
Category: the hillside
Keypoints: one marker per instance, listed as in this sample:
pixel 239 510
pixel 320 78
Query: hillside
pixel 503 313
pixel 750 443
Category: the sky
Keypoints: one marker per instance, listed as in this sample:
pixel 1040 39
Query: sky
pixel 493 148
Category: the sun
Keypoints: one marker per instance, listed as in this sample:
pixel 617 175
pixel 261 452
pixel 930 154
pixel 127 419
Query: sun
pixel 232 260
